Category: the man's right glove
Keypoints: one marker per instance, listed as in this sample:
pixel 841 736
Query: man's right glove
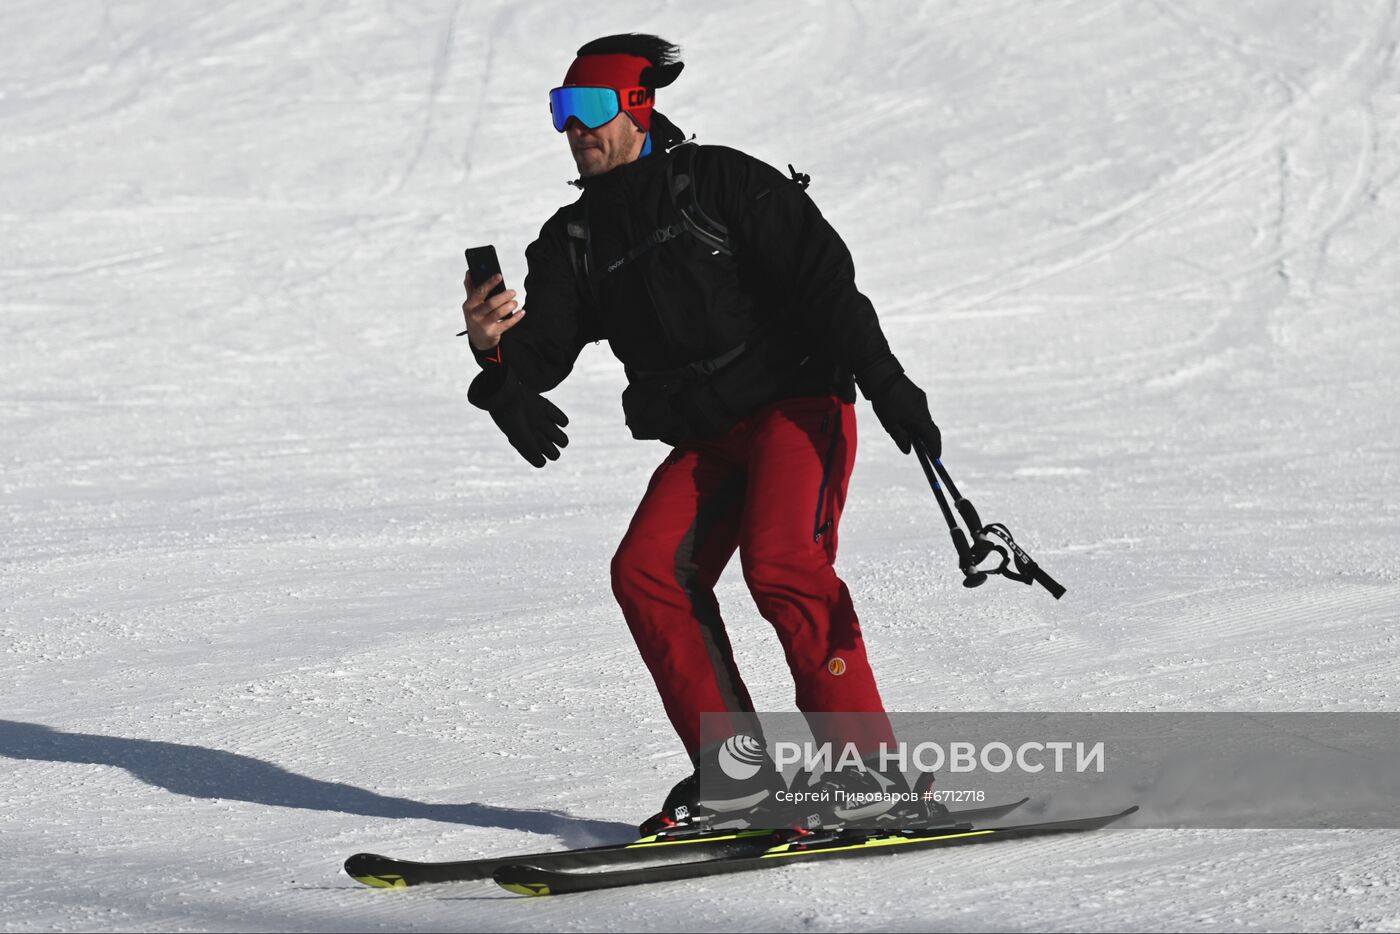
pixel 530 422
pixel 902 408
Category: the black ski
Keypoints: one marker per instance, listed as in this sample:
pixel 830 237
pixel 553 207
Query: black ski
pixel 537 880
pixel 390 873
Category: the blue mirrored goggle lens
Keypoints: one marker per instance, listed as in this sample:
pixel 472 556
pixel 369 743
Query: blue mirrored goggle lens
pixel 592 106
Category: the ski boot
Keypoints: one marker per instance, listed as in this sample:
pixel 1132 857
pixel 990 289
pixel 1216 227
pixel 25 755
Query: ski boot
pixel 729 803
pixel 871 798
pixel 919 813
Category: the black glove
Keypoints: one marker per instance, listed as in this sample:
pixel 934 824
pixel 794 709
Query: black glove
pixel 530 422
pixel 902 408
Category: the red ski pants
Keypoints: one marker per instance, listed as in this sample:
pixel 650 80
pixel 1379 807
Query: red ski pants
pixel 772 487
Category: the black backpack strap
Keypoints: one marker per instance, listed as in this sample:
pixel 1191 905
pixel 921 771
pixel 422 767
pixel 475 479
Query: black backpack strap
pixel 657 237
pixel 581 249
pixel 680 176
pixel 681 183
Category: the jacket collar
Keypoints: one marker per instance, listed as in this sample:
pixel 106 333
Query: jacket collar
pixel 665 135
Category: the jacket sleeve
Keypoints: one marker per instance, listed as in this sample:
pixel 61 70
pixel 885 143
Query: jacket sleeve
pixel 541 350
pixel 780 233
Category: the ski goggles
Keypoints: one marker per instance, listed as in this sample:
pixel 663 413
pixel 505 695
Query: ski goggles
pixel 595 106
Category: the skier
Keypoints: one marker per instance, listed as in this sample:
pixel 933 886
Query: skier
pixel 733 307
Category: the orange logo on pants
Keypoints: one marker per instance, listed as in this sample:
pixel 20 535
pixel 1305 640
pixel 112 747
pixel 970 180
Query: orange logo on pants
pixel 837 666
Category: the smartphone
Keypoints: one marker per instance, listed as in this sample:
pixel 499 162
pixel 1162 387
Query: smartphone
pixel 482 264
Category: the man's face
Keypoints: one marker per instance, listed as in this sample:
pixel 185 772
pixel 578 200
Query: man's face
pixel 615 143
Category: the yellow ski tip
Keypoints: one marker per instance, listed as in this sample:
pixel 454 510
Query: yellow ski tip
pixel 526 888
pixel 382 882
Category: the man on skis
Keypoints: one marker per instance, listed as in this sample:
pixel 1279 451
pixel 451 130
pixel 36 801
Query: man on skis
pixel 732 305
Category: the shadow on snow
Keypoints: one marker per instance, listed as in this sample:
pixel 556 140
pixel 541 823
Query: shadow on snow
pixel 213 773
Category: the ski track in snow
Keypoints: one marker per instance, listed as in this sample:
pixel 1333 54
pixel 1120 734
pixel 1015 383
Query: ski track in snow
pixel 274 593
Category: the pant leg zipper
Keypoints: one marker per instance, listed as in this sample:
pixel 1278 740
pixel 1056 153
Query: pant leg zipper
pixel 820 528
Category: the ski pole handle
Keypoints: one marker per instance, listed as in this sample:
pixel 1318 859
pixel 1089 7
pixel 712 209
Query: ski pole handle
pixel 1046 581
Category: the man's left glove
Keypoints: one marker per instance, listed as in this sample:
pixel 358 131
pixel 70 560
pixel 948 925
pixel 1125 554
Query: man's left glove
pixel 530 422
pixel 901 407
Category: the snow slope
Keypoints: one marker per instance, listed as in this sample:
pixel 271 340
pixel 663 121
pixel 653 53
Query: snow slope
pixel 274 593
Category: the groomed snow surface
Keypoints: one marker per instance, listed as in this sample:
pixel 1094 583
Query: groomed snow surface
pixel 274 593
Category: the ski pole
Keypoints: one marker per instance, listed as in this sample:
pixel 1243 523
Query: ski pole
pixel 1028 571
pixel 973 554
pixel 971 576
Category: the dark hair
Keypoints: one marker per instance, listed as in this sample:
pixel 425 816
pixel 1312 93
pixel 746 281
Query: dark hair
pixel 652 48
pixel 664 56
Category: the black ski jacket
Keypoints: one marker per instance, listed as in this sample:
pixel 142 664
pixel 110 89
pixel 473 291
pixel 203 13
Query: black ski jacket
pixel 706 338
